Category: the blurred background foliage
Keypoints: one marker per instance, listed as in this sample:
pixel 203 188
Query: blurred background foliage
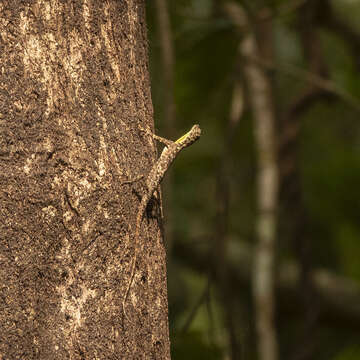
pixel 315 89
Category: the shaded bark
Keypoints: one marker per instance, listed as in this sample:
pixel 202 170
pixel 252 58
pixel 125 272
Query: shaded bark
pixel 74 91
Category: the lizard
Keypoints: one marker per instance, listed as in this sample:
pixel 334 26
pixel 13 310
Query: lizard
pixel 153 180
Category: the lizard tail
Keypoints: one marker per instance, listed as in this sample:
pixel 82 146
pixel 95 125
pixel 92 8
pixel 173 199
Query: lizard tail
pixel 133 264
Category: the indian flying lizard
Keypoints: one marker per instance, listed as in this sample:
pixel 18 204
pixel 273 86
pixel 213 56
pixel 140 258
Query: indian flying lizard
pixel 153 180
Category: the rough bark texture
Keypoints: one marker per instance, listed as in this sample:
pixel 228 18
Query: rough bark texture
pixel 74 90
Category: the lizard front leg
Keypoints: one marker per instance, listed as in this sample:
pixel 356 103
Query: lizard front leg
pixel 162 140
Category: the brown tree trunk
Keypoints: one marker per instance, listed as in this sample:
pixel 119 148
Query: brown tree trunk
pixel 74 92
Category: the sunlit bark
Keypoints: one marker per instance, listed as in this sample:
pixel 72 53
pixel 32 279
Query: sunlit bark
pixel 74 91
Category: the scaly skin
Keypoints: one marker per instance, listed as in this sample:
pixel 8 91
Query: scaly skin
pixel 156 174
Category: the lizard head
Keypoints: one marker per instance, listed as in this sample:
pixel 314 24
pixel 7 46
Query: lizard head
pixel 190 136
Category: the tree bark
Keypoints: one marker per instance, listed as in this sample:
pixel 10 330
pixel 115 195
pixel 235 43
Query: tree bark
pixel 74 92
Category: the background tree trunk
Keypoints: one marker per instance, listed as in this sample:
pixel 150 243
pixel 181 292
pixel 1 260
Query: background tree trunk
pixel 260 90
pixel 74 91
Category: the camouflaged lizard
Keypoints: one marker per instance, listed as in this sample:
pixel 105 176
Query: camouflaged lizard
pixel 156 174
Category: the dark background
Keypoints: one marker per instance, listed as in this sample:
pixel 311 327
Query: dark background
pixel 314 73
